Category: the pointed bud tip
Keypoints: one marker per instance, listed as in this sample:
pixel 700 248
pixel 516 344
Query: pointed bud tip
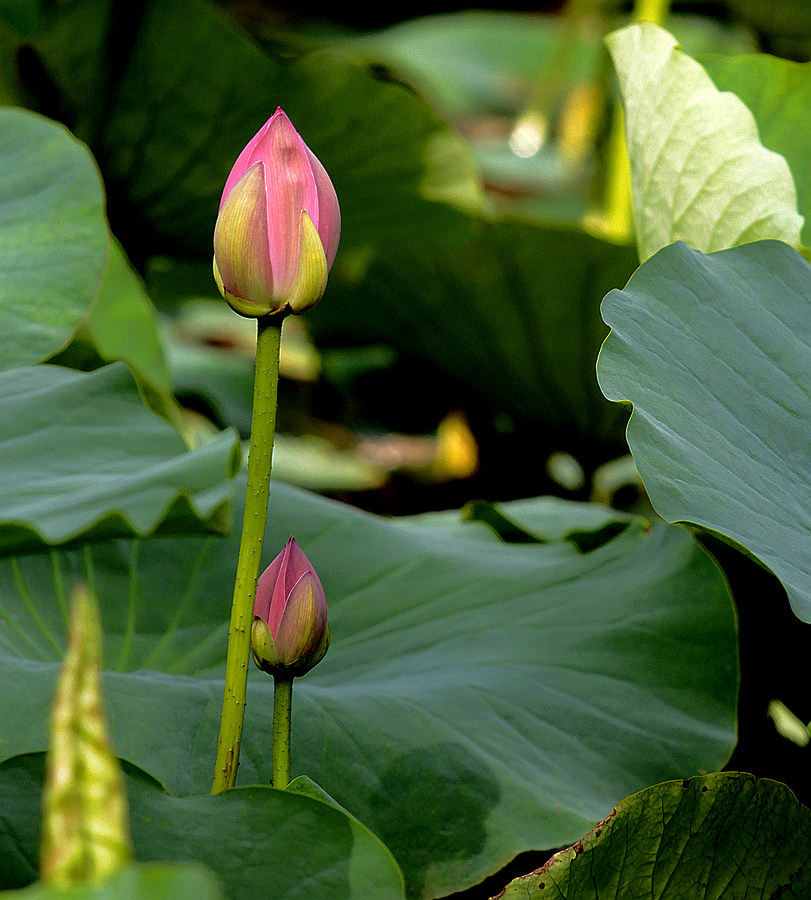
pixel 290 632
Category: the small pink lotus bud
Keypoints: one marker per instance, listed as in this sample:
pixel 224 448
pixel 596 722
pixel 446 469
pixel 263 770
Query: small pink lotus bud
pixel 278 227
pixel 290 632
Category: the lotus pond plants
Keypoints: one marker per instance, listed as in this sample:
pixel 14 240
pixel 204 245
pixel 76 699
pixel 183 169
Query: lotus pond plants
pixel 448 535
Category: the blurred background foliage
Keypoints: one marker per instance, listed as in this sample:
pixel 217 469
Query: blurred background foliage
pixel 484 219
pixel 453 355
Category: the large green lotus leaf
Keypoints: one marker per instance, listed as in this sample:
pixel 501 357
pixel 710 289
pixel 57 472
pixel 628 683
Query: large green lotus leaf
pixel 478 698
pixel 719 837
pixel 513 314
pixel 84 458
pixel 698 169
pixel 712 352
pixel 53 235
pixel 148 881
pixel 778 93
pixel 260 841
pixel 123 324
pixel 169 116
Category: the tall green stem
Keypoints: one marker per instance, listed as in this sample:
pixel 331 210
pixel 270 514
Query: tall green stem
pixel 618 205
pixel 260 458
pixel 282 703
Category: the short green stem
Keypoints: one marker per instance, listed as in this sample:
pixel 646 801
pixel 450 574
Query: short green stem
pixel 282 705
pixel 260 458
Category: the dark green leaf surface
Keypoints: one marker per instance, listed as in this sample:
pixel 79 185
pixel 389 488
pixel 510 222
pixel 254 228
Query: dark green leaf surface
pixel 725 836
pixel 781 18
pixel 712 351
pixel 778 93
pixel 53 233
pixel 261 842
pixel 123 324
pixel 220 381
pixel 83 457
pixel 514 314
pixel 478 698
pixel 152 881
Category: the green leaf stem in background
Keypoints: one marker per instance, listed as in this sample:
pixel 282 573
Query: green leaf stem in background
pixel 699 171
pixel 84 458
pixel 261 842
pixel 478 698
pixel 53 235
pixel 725 835
pixel 712 352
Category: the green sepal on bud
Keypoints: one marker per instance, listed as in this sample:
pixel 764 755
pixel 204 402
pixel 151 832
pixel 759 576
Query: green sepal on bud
pixel 262 647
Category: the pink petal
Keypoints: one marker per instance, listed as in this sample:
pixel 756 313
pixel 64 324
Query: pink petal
pixel 305 617
pixel 273 575
pixel 297 565
pixel 290 188
pixel 278 599
pixel 328 221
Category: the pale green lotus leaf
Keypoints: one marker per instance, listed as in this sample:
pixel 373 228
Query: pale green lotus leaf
pixel 698 169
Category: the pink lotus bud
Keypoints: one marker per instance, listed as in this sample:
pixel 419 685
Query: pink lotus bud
pixel 290 632
pixel 278 227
